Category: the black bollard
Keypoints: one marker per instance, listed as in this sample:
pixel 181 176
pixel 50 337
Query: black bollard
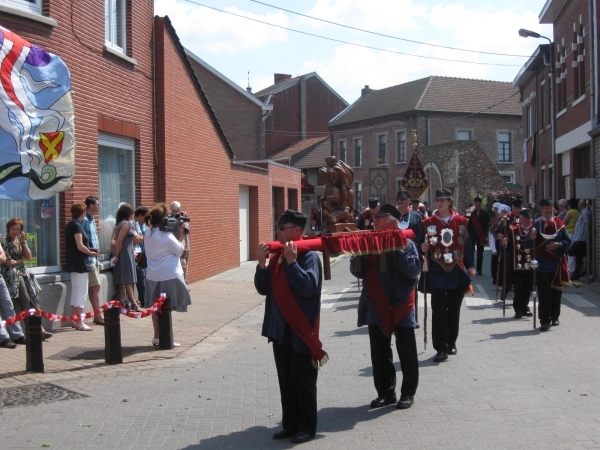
pixel 33 341
pixel 113 352
pixel 165 326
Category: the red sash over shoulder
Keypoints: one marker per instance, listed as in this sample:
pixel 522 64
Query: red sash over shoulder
pixel 292 313
pixel 388 315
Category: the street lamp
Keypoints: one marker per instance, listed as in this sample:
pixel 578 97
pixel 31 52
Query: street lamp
pixel 528 33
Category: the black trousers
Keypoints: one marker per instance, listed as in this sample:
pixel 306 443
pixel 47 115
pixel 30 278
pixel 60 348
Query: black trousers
pixel 384 372
pixel 523 285
pixel 445 317
pixel 549 298
pixel 298 388
pixel 494 267
pixel 479 253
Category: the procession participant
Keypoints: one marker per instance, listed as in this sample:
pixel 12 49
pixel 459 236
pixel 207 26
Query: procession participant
pixel 550 243
pixel 492 241
pixel 449 253
pixel 412 220
pixel 508 216
pixel 518 264
pixel 387 306
pixel 365 221
pixel 292 283
pixel 479 223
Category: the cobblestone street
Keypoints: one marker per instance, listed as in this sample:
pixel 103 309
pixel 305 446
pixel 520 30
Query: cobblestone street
pixel 510 386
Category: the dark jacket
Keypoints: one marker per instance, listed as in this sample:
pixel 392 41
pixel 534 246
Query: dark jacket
pixel 415 223
pixel 305 279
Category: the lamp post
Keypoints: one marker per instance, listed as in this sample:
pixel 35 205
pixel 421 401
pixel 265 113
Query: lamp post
pixel 527 33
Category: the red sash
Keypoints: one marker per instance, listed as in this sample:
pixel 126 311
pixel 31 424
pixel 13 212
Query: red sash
pixel 388 316
pixel 293 314
pixel 475 221
pixel 562 271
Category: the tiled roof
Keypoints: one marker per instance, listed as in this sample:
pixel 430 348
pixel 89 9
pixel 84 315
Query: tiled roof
pixel 315 158
pixel 297 147
pixel 442 94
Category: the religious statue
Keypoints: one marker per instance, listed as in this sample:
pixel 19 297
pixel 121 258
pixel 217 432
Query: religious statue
pixel 338 200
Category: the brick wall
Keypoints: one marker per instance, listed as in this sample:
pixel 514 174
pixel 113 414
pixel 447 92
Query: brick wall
pixel 441 129
pixel 238 115
pixel 198 171
pixel 101 86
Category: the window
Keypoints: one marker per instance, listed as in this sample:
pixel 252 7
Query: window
pixel 357 152
pixel 504 153
pixel 509 177
pixel 114 23
pixel 401 147
pixel 30 5
pixel 40 219
pixel 357 196
pixel 116 181
pixel 342 145
pixel 382 149
pixel 463 135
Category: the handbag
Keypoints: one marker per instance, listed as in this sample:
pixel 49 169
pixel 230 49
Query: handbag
pixel 141 260
pixel 578 249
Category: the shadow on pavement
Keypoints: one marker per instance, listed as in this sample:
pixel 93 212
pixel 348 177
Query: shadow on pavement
pixel 356 331
pixel 511 334
pixel 330 420
pixel 492 320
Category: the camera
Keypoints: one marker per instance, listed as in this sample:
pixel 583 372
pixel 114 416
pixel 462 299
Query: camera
pixel 173 222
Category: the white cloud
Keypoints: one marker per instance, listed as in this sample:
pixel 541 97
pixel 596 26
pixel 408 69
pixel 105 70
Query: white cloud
pixel 203 29
pixel 375 15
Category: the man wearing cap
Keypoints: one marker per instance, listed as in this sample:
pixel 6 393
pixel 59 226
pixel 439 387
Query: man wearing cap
pixel 387 306
pixel 550 242
pixel 292 283
pixel 519 263
pixel 479 223
pixel 451 268
pixel 365 222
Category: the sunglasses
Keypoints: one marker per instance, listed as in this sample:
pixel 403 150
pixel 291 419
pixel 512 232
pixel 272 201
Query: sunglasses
pixel 283 227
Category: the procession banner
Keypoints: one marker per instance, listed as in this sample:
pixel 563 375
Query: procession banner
pixel 415 180
pixel 37 133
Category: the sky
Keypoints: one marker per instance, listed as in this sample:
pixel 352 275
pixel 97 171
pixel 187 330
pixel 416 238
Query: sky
pixel 235 46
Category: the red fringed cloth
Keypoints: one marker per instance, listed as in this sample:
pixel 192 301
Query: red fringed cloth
pixel 356 244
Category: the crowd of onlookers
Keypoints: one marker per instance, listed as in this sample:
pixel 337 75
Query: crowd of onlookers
pixel 142 255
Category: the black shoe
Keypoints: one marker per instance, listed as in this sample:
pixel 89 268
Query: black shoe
pixel 383 401
pixel 518 315
pixel 441 356
pixel 20 340
pixel 7 343
pixel 301 437
pixel 417 326
pixel 528 313
pixel 283 434
pixel 545 327
pixel 406 401
pixel 555 323
pixel 453 350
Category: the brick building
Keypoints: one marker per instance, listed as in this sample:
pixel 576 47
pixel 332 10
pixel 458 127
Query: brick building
pixel 573 55
pixel 145 132
pixel 374 135
pixel 302 107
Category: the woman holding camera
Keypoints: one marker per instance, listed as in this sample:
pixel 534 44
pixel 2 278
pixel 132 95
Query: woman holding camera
pixel 164 273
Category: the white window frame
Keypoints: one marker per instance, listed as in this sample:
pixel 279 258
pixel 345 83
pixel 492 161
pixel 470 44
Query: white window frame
pixel 398 160
pixel 508 173
pixel 110 27
pixel 354 151
pixel 464 131
pixel 34 7
pixel 379 162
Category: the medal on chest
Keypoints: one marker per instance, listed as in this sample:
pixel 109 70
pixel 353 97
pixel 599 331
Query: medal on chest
pixel 446 244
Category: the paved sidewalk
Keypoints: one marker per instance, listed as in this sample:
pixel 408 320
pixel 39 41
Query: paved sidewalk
pixel 510 386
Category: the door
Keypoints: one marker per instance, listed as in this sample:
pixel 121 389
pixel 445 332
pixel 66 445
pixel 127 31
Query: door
pixel 244 223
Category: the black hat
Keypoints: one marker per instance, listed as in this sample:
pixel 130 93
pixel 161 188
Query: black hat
pixel 294 217
pixel 402 194
pixel 443 193
pixel 387 210
pixel 477 199
pixel 373 202
pixel 517 203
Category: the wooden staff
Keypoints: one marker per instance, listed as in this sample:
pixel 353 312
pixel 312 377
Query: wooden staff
pixel 534 264
pixel 504 270
pixel 425 269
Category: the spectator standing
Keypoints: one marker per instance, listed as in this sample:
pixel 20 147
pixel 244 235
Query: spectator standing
pixel 124 271
pixel 479 224
pixel 570 221
pixel 578 249
pixel 11 334
pixel 185 259
pixel 139 216
pixel 90 230
pixel 563 207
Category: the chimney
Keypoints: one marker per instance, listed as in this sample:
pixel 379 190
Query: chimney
pixel 365 91
pixel 279 77
pixel 249 89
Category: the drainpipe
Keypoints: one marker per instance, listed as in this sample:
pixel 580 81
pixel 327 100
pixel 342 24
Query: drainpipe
pixel 303 107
